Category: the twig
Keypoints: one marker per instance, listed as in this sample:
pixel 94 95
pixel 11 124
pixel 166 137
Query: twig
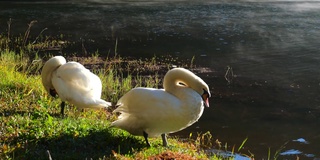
pixel 9 27
pixel 39 35
pixel 50 158
pixel 229 75
pixel 84 50
pixel 26 34
pixel 116 48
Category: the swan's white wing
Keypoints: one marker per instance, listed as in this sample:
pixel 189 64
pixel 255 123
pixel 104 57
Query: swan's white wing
pixel 149 110
pixel 76 84
pixel 147 101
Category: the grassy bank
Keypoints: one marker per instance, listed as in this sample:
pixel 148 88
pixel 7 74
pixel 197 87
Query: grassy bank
pixel 31 127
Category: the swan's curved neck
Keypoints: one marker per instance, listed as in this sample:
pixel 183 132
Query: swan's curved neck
pixel 49 67
pixel 176 79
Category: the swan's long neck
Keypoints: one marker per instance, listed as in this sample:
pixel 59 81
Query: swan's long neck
pixel 49 67
pixel 174 78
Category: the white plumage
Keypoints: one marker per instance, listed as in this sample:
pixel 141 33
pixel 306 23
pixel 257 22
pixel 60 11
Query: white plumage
pixel 73 83
pixel 153 112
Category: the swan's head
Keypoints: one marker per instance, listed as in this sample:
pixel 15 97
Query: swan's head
pixel 202 88
pixel 184 77
pixel 205 96
pixel 46 74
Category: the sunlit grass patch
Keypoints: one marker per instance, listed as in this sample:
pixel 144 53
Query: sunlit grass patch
pixel 17 89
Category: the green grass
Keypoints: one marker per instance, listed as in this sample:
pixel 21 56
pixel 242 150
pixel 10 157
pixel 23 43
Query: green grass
pixel 30 124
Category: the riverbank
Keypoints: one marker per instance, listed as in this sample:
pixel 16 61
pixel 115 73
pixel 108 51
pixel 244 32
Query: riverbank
pixel 31 127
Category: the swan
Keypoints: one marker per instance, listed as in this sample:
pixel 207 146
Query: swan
pixel 73 83
pixel 151 112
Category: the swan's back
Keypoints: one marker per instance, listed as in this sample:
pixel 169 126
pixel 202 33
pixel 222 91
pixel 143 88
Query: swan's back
pixel 76 84
pixel 142 100
pixel 81 79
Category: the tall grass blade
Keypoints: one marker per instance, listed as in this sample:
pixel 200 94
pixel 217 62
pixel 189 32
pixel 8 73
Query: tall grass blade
pixel 242 144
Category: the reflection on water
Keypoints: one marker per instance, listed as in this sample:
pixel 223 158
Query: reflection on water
pixel 227 154
pixel 272 47
pixel 301 140
pixel 296 152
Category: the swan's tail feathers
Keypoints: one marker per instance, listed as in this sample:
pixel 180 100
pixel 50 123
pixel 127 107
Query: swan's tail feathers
pixel 105 104
pixel 99 103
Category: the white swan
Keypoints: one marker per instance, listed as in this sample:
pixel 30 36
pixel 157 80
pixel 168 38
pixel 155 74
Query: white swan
pixel 73 83
pixel 153 112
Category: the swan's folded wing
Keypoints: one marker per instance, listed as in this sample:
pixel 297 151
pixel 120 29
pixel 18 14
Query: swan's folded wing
pixel 147 100
pixel 80 79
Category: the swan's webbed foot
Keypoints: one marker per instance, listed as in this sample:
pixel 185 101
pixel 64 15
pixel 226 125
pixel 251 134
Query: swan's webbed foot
pixel 164 140
pixel 145 135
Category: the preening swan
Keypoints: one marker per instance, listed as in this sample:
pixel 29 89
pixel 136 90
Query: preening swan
pixel 151 112
pixel 73 83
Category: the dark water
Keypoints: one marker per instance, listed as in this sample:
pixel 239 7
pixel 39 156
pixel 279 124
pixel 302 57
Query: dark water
pixel 272 47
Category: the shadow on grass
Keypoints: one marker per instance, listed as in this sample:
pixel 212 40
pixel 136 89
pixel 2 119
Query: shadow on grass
pixel 7 113
pixel 36 113
pixel 31 112
pixel 96 145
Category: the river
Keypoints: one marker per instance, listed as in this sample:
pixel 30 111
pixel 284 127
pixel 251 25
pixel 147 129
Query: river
pixel 271 47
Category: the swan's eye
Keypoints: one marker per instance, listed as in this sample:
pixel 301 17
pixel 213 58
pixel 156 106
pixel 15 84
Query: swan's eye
pixel 181 84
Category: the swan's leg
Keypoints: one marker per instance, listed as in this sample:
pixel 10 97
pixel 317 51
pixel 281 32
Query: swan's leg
pixel 62 108
pixel 164 140
pixel 145 135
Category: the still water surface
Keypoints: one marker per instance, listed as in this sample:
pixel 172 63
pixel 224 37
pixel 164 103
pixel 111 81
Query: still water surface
pixel 271 46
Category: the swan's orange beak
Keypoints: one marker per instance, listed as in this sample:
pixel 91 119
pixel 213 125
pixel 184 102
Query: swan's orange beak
pixel 205 96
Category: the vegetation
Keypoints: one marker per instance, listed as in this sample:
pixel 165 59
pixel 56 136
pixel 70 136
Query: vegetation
pixel 31 127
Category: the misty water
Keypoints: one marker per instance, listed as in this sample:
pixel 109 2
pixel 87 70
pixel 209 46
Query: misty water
pixel 271 96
